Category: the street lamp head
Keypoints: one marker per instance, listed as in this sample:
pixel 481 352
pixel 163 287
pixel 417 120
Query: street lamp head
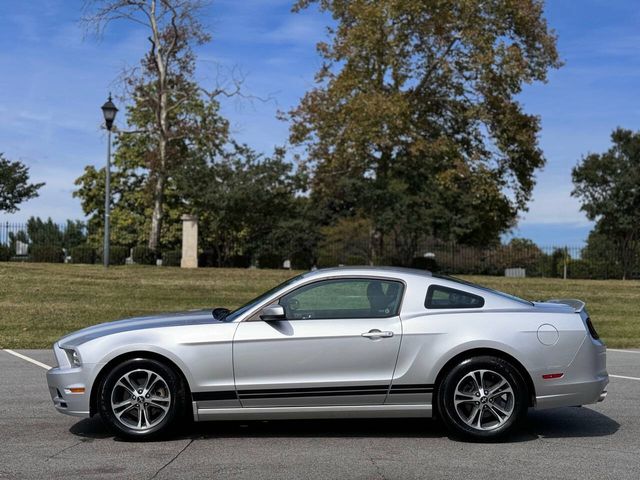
pixel 109 111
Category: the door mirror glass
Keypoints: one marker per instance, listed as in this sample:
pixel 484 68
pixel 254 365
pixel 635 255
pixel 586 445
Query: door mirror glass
pixel 272 313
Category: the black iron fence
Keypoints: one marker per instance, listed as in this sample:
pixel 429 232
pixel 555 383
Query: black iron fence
pixel 73 242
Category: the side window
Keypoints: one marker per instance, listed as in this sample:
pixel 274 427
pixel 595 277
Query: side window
pixel 445 297
pixel 344 298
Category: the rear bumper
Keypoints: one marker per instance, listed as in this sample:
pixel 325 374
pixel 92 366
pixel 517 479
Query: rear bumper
pixel 575 394
pixel 584 381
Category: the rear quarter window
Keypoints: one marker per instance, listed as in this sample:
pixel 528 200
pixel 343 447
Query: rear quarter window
pixel 446 297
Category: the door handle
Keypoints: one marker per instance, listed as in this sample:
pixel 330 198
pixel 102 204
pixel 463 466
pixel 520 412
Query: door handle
pixel 375 333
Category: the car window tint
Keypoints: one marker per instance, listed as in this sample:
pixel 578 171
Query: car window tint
pixel 445 297
pixel 344 298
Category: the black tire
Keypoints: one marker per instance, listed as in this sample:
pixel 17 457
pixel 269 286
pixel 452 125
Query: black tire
pixel 460 385
pixel 169 390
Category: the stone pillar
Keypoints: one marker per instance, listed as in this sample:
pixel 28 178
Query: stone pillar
pixel 189 241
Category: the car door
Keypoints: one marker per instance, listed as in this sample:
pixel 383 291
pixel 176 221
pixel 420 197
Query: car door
pixel 338 345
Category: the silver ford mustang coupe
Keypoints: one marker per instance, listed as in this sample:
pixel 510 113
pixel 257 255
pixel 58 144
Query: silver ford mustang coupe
pixel 338 343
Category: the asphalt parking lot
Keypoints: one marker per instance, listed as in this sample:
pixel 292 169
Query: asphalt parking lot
pixel 598 441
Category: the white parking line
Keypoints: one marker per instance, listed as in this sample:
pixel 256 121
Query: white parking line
pixel 28 359
pixel 626 378
pixel 623 351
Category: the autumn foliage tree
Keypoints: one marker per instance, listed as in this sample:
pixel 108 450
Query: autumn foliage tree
pixel 414 121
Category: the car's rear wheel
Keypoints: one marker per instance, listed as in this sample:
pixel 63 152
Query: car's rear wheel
pixel 482 398
pixel 141 399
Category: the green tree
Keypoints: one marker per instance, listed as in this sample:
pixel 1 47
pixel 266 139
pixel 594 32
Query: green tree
pixel 246 203
pixel 44 233
pixel 14 185
pixel 607 186
pixel 204 132
pixel 414 123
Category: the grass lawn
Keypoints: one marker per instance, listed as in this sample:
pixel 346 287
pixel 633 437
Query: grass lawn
pixel 41 302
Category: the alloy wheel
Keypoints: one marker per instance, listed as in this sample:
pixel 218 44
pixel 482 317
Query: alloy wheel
pixel 140 399
pixel 484 400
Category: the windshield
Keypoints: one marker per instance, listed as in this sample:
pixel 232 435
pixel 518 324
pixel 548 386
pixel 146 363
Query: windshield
pixel 486 289
pixel 249 305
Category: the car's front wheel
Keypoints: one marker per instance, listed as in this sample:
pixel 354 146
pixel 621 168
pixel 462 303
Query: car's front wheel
pixel 141 399
pixel 482 398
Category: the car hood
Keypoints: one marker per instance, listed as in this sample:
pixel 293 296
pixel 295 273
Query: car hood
pixel 174 319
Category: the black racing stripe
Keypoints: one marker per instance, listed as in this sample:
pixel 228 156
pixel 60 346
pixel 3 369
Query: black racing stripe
pixel 218 395
pixel 310 390
pixel 402 392
pixel 298 392
pixel 314 393
pixel 398 389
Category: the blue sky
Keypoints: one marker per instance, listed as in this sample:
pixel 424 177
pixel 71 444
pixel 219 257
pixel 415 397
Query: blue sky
pixel 53 79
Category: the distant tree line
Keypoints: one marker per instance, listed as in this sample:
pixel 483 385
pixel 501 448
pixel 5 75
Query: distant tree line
pixel 45 241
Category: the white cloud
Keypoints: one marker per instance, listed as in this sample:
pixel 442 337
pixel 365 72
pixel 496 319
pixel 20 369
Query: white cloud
pixel 553 204
pixel 299 29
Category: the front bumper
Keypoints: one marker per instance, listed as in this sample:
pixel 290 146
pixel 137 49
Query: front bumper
pixel 61 381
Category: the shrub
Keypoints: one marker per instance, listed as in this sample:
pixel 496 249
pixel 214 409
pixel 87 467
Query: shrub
pixel 143 255
pixel 270 260
pixel 83 254
pixel 117 255
pixel 171 258
pixel 208 258
pixel 240 261
pixel 301 260
pixel 425 263
pixel 5 253
pixel 46 254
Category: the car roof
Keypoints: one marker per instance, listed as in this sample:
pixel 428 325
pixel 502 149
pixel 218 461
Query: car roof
pixel 399 272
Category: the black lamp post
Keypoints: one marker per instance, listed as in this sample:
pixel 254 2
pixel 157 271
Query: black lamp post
pixel 109 111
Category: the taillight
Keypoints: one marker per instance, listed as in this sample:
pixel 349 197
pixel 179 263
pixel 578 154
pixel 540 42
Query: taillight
pixel 592 329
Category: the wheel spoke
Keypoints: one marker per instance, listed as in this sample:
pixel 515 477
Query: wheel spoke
pixel 151 379
pixel 500 418
pixel 132 384
pixel 501 410
pixel 480 412
pixel 142 418
pixel 118 405
pixel 481 384
pixel 476 380
pixel 496 388
pixel 154 403
pixel 459 402
pixel 470 419
pixel 126 386
pixel 123 411
pixel 506 391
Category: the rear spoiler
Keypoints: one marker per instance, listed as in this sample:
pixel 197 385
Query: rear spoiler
pixel 577 305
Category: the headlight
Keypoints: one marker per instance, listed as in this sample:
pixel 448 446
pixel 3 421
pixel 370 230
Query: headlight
pixel 74 357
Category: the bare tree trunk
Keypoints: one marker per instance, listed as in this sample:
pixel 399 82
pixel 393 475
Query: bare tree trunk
pixel 160 59
pixel 156 216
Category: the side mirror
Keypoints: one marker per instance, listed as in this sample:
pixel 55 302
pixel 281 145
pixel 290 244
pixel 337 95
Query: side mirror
pixel 273 313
